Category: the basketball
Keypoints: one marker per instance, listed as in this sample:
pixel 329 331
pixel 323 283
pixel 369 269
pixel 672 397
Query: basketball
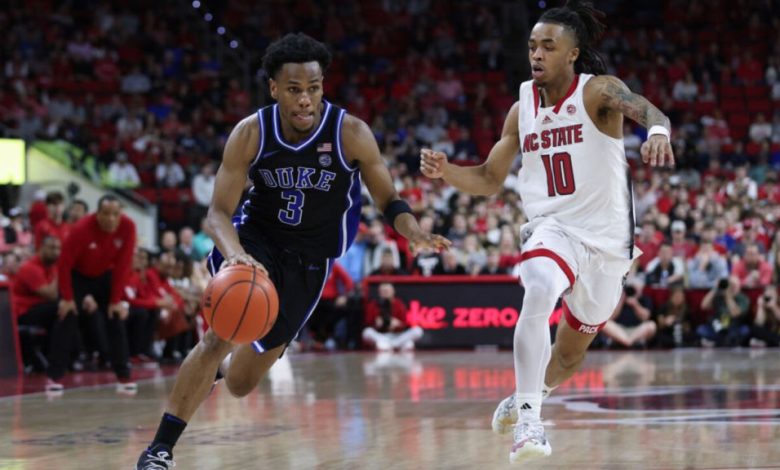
pixel 240 304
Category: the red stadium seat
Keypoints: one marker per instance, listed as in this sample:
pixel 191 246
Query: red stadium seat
pixel 731 91
pixel 733 106
pixel 759 106
pixel 757 91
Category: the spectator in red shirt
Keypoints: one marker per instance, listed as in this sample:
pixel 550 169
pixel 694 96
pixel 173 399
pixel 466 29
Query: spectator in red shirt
pixel 54 224
pixel 34 295
pixel 386 326
pixel 752 270
pixel 332 307
pixel 93 271
pixel 76 211
pixel 146 296
pixel 681 246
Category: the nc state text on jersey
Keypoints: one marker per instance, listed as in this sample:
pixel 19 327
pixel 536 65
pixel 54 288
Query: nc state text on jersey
pixel 553 138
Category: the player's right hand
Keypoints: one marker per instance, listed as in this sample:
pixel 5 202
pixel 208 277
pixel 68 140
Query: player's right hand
pixel 432 163
pixel 244 258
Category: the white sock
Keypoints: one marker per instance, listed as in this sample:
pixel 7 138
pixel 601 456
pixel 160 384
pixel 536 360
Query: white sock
pixel 529 406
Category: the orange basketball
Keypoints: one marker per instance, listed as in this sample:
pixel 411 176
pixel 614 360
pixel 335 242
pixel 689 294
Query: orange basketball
pixel 240 304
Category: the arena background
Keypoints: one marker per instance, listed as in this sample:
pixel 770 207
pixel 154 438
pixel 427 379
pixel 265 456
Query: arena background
pixel 87 84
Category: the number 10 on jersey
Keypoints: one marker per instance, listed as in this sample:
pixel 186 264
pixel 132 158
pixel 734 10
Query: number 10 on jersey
pixel 560 176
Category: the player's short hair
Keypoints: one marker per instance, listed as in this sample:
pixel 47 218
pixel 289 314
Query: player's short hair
pixel 297 48
pixel 107 198
pixel 583 20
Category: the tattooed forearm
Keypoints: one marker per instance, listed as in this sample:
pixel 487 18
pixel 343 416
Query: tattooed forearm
pixel 616 96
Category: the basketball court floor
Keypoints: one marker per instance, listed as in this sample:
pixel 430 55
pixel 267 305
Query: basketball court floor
pixel 691 409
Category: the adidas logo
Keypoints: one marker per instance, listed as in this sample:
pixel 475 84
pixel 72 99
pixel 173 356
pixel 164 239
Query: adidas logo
pixel 546 120
pixel 525 406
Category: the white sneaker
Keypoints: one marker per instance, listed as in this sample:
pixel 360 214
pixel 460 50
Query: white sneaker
pixel 505 415
pixel 530 443
pixel 124 387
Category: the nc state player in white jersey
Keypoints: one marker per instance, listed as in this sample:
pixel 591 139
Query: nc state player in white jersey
pixel 575 189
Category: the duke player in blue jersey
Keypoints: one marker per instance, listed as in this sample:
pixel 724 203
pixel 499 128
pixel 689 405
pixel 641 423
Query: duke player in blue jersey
pixel 306 159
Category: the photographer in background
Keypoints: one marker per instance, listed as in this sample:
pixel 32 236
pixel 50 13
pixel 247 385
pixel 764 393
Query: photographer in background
pixel 632 325
pixel 386 326
pixel 766 326
pixel 729 321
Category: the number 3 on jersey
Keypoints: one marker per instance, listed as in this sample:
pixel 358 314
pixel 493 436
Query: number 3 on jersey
pixel 560 176
pixel 293 214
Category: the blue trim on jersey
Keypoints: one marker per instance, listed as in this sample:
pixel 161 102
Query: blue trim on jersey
pixel 258 347
pixel 312 138
pixel 261 140
pixel 351 217
pixel 339 147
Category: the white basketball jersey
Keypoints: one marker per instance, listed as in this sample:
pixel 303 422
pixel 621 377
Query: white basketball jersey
pixel 574 173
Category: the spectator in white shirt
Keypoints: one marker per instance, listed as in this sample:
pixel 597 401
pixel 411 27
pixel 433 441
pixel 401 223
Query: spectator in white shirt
pixel 169 173
pixel 760 130
pixel 122 173
pixel 202 190
pixel 686 90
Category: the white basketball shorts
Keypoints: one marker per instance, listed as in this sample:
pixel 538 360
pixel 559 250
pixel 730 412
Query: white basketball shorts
pixel 595 276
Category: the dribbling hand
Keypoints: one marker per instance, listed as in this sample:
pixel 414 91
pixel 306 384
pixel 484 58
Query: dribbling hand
pixel 428 242
pixel 657 151
pixel 432 163
pixel 244 258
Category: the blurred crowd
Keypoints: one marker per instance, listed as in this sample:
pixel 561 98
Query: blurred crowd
pixel 141 89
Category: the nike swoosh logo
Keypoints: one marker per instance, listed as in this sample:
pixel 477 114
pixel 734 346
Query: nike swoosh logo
pixel 268 154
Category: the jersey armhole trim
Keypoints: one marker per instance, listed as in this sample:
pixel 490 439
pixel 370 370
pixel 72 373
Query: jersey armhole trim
pixel 339 146
pixel 261 138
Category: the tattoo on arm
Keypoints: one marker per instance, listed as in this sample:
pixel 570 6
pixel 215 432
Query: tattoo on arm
pixel 618 97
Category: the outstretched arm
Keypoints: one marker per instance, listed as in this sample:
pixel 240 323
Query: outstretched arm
pixel 360 146
pixel 484 179
pixel 615 96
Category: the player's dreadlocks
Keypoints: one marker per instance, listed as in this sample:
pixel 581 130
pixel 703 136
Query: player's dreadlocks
pixel 583 20
pixel 297 49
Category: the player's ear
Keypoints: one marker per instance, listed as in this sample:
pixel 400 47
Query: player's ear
pixel 573 54
pixel 274 89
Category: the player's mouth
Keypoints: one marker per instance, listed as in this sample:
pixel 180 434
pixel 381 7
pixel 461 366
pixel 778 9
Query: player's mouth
pixel 537 71
pixel 303 119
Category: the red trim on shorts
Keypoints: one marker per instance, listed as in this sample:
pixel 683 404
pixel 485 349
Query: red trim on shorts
pixel 536 100
pixel 571 91
pixel 577 325
pixel 536 252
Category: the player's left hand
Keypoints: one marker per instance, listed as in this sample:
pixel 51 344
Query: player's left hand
pixel 657 151
pixel 428 242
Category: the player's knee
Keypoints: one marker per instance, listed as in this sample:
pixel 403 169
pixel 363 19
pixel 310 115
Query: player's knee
pixel 211 344
pixel 539 295
pixel 239 388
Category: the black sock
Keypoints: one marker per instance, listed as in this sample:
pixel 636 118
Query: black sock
pixel 169 431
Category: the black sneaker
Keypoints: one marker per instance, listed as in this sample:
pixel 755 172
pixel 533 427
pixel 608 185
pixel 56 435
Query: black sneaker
pixel 158 457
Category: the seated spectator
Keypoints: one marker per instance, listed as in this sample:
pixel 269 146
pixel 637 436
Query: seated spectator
pixel 458 231
pixel 449 265
pixel 631 142
pixel 752 270
pixel 122 173
pixel 168 241
pixel 175 326
pixel 10 266
pixel 54 223
pixel 331 308
pixel 666 270
pixel 386 327
pixel 728 324
pixel 34 295
pixel 493 263
pixel 685 90
pixel 760 130
pixel 387 265
pixel 632 325
pixel 681 246
pixel 76 211
pixel 147 297
pixel 507 248
pixel 202 242
pixel 674 328
pixel 649 241
pixel 169 173
pixel 187 243
pixel 16 232
pixel 765 330
pixel 742 185
pixel 706 268
pixel 377 241
pixel 472 256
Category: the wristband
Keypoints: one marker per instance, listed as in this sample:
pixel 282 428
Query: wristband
pixel 659 130
pixel 394 209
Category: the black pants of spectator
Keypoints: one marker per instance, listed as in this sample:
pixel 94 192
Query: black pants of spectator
pixel 141 325
pixel 769 337
pixel 61 335
pixel 109 335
